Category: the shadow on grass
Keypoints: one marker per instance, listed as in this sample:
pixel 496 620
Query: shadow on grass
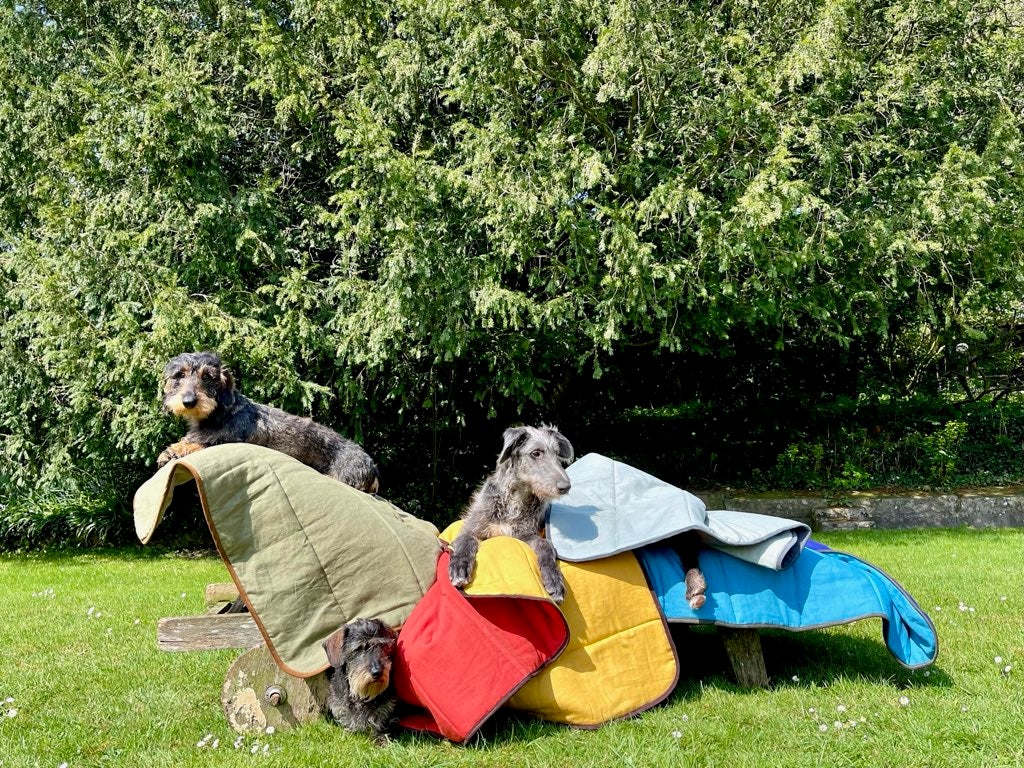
pixel 797 659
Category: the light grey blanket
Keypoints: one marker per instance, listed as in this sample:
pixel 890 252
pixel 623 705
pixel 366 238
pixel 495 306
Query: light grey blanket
pixel 613 507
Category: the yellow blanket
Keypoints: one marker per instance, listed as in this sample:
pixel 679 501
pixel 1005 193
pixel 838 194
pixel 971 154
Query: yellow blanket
pixel 620 659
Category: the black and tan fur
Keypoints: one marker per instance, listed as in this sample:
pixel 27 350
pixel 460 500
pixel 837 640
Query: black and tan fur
pixel 359 695
pixel 199 388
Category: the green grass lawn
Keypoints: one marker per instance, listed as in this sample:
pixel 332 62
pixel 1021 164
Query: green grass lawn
pixel 83 684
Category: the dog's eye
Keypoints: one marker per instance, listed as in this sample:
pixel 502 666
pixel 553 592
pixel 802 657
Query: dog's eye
pixel 207 376
pixel 537 453
pixel 178 375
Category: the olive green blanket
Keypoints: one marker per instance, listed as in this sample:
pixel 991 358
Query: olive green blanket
pixel 306 552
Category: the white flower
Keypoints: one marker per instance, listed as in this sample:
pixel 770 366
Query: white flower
pixel 999 659
pixel 962 347
pixel 12 712
pixel 841 708
pixel 270 730
pixel 677 734
pixel 904 701
pixel 823 727
pixel 685 718
pixel 796 679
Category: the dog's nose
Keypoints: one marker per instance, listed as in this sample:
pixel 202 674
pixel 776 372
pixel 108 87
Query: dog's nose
pixel 189 401
pixel 563 486
pixel 376 670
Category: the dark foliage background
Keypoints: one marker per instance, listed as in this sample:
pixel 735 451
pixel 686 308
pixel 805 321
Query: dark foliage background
pixel 728 242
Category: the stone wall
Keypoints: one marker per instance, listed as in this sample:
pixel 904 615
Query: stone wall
pixel 987 508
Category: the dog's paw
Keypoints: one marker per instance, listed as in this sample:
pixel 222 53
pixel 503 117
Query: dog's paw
pixel 178 450
pixel 696 587
pixel 554 584
pixel 166 457
pixel 460 572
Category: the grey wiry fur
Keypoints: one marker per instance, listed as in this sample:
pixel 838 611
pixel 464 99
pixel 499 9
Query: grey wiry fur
pixel 514 500
pixel 687 546
pixel 200 389
pixel 360 697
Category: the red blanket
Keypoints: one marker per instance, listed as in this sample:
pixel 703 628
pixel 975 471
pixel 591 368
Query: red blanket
pixel 461 657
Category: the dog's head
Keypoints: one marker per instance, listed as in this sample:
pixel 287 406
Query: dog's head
pixel 195 384
pixel 539 456
pixel 363 650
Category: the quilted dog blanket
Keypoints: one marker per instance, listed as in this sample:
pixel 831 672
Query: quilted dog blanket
pixel 613 507
pixel 759 572
pixel 822 588
pixel 618 656
pixel 309 554
pixel 306 552
pixel 461 656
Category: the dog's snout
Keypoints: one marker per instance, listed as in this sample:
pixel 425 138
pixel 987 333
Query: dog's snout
pixel 189 399
pixel 563 486
pixel 376 670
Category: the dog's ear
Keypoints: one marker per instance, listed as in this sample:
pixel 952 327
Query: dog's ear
pixel 226 388
pixel 566 454
pixel 334 647
pixel 227 380
pixel 513 438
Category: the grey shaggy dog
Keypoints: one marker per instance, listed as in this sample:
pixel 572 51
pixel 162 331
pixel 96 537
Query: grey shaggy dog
pixel 514 501
pixel 198 387
pixel 359 694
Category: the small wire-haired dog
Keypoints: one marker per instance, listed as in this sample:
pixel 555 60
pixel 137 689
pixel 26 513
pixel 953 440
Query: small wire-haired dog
pixel 359 696
pixel 199 388
pixel 514 501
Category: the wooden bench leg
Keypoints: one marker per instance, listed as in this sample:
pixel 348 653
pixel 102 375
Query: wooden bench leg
pixel 743 647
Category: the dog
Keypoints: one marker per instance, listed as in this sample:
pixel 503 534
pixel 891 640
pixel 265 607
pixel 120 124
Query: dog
pixel 359 694
pixel 199 388
pixel 514 499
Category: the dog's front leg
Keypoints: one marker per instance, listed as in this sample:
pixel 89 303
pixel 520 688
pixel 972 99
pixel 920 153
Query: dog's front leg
pixel 463 558
pixel 176 451
pixel 696 585
pixel 550 573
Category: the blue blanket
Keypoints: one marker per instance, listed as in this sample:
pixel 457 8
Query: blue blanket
pixel 821 588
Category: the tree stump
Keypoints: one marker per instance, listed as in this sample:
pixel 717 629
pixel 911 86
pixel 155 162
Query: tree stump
pixel 257 694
